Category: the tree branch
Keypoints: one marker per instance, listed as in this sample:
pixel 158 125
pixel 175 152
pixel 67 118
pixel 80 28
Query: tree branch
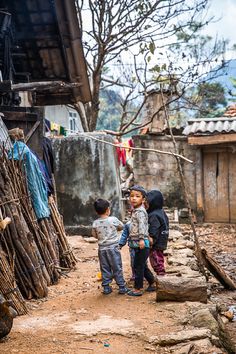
pixel 142 149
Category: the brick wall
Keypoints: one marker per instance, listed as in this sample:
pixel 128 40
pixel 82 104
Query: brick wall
pixel 159 171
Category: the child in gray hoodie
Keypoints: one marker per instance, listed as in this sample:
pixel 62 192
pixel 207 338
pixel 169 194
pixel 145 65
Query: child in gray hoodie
pixel 105 230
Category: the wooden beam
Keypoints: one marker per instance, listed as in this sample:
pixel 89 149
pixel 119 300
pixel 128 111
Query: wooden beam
pixel 211 139
pixel 32 130
pixel 7 86
pixel 214 267
pixel 46 85
pixel 19 116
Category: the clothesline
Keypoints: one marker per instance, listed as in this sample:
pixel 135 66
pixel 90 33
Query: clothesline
pixel 142 149
pixel 52 126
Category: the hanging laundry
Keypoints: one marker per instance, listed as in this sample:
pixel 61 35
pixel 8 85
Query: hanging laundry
pixel 62 131
pixel 35 180
pixel 55 126
pixel 121 153
pixel 47 124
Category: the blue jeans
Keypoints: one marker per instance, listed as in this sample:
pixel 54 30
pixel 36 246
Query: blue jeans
pixel 111 266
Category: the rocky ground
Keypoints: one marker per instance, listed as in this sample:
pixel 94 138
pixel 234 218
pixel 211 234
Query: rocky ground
pixel 77 318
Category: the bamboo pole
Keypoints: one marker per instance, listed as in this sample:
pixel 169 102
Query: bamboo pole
pixel 186 195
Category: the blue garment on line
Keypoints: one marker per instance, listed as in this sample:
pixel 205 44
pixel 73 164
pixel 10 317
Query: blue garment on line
pixel 36 183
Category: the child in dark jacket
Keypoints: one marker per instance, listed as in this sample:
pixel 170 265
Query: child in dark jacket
pixel 158 230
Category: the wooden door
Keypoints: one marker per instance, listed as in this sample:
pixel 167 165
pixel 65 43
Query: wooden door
pixel 232 187
pixel 219 185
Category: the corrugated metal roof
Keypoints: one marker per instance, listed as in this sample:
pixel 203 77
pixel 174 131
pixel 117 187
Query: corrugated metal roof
pixel 207 126
pixel 4 137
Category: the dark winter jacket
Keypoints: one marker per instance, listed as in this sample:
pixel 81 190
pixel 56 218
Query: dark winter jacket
pixel 157 220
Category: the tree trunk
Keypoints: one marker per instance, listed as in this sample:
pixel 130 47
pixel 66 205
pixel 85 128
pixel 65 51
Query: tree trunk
pixel 94 108
pixel 213 266
pixel 83 115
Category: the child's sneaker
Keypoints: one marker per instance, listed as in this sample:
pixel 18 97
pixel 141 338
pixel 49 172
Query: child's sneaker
pixel 107 290
pixel 123 290
pixel 151 288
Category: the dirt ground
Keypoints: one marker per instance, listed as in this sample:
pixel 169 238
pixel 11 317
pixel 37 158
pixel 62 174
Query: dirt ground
pixel 77 318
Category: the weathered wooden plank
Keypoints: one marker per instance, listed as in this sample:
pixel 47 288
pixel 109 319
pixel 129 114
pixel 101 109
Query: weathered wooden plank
pixel 32 130
pixel 199 181
pixel 222 181
pixel 181 289
pixel 232 187
pixel 210 187
pixel 214 139
pixel 217 271
pixel 44 85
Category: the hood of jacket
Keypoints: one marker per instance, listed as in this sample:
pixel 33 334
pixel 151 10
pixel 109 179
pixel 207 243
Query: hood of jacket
pixel 155 200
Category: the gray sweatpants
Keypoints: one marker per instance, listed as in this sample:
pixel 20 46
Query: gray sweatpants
pixel 111 266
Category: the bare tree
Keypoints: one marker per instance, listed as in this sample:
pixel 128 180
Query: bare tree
pixel 151 27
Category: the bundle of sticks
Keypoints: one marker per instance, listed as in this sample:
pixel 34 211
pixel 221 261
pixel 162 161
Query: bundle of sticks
pixel 38 249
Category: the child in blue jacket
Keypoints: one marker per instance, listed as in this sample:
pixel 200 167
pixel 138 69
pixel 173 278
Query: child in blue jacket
pixel 123 240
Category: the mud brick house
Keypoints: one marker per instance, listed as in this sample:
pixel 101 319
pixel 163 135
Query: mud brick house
pixel 211 178
pixel 214 141
pixel 41 54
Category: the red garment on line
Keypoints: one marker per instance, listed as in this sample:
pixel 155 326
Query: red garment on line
pixel 121 154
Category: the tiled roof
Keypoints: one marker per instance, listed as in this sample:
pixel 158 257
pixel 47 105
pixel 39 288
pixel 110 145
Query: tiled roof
pixel 207 126
pixel 231 111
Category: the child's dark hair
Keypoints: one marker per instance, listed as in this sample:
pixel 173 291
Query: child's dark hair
pixel 101 205
pixel 139 189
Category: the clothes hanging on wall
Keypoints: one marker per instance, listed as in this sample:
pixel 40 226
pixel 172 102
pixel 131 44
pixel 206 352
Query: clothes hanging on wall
pixel 56 128
pixel 35 180
pixel 124 153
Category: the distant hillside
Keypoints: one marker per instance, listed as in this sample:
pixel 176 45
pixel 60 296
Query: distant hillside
pixel 223 77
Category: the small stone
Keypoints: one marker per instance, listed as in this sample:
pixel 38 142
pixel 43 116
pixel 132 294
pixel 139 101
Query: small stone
pixel 90 239
pixel 184 349
pixel 229 315
pixel 185 253
pixel 224 319
pixel 175 234
pixel 183 213
pixel 216 341
pixel 177 261
pixel 190 244
pixel 152 349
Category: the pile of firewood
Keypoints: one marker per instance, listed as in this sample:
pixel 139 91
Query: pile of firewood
pixel 32 252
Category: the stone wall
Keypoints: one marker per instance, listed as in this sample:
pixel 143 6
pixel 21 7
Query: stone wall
pixel 159 171
pixel 85 170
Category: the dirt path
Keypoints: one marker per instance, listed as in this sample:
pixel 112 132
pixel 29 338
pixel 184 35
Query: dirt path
pixel 77 318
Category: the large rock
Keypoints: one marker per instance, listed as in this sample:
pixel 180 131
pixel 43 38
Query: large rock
pixel 179 337
pixel 181 289
pixel 193 347
pixel 228 335
pixel 203 318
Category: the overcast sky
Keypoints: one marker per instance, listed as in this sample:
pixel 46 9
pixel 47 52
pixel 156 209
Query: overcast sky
pixel 225 10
